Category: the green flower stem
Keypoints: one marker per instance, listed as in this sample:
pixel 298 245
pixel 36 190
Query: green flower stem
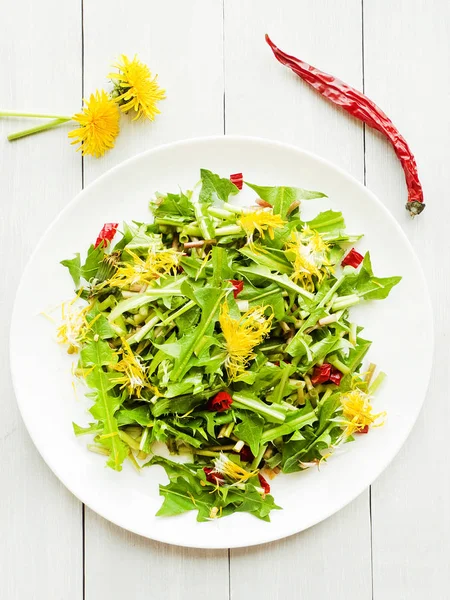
pixel 33 130
pixel 13 113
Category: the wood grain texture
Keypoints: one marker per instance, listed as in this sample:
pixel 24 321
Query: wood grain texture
pixel 265 99
pixel 183 42
pixel 40 521
pixel 406 51
pixel 199 57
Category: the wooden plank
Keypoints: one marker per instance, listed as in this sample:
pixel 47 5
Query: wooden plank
pixel 40 521
pixel 264 99
pixel 406 61
pixel 182 41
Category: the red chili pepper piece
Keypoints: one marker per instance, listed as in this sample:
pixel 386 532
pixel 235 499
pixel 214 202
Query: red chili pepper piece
pixel 106 234
pixel 359 106
pixel 246 454
pixel 324 373
pixel 335 376
pixel 321 374
pixel 213 477
pixel 264 484
pixel 353 259
pixel 364 429
pixel 221 402
pixel 237 179
pixel 238 286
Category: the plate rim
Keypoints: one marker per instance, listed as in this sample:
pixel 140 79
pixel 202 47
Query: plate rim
pixel 271 535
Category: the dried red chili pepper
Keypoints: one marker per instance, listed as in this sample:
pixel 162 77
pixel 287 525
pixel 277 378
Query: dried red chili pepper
pixel 213 477
pixel 335 376
pixel 321 374
pixel 221 402
pixel 353 259
pixel 246 454
pixel 238 286
pixel 359 106
pixel 106 234
pixel 324 373
pixel 264 484
pixel 238 180
pixel 364 429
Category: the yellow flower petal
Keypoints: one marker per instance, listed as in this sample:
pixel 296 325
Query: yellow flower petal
pixel 140 272
pixel 99 125
pixel 135 89
pixel 308 253
pixel 261 221
pixel 357 411
pixel 241 336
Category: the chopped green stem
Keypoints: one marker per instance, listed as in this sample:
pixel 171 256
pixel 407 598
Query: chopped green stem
pixel 332 290
pixel 259 457
pixel 98 449
pixel 353 333
pixel 334 360
pixel 369 373
pixel 220 213
pixel 227 230
pixel 142 332
pixel 33 130
pixel 345 302
pixel 376 383
pixel 109 302
pixel 229 429
pixel 129 440
pixel 205 452
pixel 232 208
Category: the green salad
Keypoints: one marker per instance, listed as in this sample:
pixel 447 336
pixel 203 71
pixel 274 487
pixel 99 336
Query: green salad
pixel 223 332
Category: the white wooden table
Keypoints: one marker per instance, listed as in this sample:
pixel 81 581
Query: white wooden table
pixel 393 542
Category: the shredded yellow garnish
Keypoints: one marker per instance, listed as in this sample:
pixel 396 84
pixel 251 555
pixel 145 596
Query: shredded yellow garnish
pixel 74 325
pixel 261 221
pixel 241 337
pixel 135 89
pixel 308 253
pixel 142 271
pixel 227 467
pixel 357 412
pixel 99 125
pixel 133 375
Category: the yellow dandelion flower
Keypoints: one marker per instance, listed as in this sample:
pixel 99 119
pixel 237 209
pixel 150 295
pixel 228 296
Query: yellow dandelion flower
pixel 135 89
pixel 241 337
pixel 227 467
pixel 133 376
pixel 99 125
pixel 357 412
pixel 261 221
pixel 140 272
pixel 308 252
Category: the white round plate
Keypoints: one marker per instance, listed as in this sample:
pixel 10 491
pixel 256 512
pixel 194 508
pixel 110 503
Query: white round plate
pixel 129 499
